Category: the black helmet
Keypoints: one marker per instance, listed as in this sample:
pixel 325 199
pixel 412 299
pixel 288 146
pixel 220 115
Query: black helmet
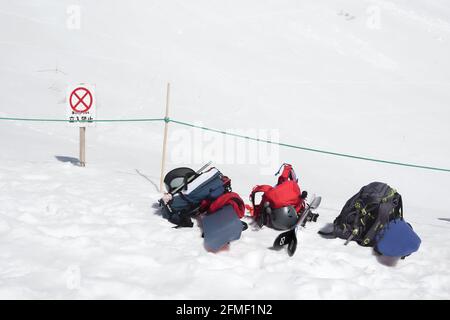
pixel 176 178
pixel 282 218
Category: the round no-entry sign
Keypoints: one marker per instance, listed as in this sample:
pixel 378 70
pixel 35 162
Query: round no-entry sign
pixel 80 100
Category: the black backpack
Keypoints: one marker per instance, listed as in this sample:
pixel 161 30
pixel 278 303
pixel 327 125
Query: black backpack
pixel 366 213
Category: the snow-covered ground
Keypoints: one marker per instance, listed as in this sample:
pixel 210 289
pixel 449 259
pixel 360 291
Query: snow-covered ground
pixel 370 78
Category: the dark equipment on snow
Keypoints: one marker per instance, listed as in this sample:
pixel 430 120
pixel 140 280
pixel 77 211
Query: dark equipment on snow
pixel 281 218
pixel 289 238
pixel 188 190
pixel 367 212
pixel 221 223
pixel 366 218
pixel 282 205
pixel 177 177
pixel 185 175
pixel 206 194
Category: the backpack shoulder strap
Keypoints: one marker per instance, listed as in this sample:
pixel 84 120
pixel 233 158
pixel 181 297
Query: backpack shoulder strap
pixel 386 208
pixel 288 173
pixel 399 207
pixel 257 189
pixel 257 208
pixel 230 198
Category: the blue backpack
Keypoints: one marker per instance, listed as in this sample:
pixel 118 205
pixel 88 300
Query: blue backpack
pixel 185 204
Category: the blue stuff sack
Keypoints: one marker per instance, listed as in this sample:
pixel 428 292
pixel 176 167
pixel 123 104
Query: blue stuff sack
pixel 221 227
pixel 397 239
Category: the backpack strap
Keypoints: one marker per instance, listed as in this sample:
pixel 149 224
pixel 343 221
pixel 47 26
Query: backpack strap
pixel 257 189
pixel 399 208
pixel 287 174
pixel 361 211
pixel 181 219
pixel 387 206
pixel 260 218
pixel 230 198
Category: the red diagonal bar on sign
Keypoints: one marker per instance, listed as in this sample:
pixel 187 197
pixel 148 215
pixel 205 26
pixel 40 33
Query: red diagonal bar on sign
pixel 81 99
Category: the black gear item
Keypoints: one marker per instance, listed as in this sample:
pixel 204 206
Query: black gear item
pixel 365 214
pixel 177 177
pixel 283 218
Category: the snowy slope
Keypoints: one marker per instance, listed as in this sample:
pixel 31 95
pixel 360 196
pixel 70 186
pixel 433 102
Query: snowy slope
pixel 321 73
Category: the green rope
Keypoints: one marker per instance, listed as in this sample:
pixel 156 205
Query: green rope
pixel 131 120
pixel 312 149
pixel 167 120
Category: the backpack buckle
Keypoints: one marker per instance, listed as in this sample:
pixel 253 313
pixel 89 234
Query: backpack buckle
pixel 354 234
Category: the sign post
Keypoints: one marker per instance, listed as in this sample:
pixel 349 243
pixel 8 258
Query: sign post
pixel 166 128
pixel 82 146
pixel 81 112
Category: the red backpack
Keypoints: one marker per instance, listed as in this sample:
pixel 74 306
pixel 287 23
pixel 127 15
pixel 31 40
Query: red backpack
pixel 286 193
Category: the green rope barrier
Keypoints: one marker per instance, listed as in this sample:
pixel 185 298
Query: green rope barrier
pixel 167 120
pixel 130 120
pixel 312 149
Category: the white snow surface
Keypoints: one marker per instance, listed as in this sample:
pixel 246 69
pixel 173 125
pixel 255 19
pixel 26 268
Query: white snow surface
pixel 315 70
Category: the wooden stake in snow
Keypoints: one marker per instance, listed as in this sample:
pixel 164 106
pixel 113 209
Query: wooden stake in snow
pixel 166 128
pixel 82 146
